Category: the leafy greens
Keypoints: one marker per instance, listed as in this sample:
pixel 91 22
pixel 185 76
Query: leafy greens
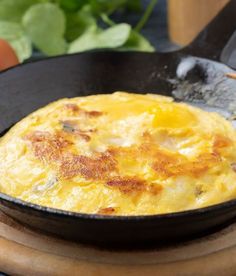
pixel 68 26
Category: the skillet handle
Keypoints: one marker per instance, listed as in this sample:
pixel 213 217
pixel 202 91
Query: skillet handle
pixel 212 40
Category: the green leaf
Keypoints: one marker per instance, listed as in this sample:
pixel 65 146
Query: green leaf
pixel 45 25
pixel 72 5
pixel 13 10
pixel 137 42
pixel 79 22
pixel 112 37
pixel 14 34
pixel 143 20
pixel 107 6
pixel 106 19
pixel 23 48
pixel 134 5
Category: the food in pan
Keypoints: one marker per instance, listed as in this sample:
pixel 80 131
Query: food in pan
pixel 120 154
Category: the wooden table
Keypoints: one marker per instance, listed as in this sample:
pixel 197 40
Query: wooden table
pixel 26 252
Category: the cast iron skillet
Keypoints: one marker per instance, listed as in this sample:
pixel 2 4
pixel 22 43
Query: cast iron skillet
pixel 27 87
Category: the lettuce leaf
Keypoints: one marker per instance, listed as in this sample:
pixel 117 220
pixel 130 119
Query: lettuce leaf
pixel 137 42
pixel 45 25
pixel 14 34
pixel 112 37
pixel 79 22
pixel 13 10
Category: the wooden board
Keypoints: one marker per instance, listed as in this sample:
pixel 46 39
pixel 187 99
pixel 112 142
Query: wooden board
pixel 25 252
pixel 186 18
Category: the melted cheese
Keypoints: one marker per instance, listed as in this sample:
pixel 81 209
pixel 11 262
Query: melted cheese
pixel 120 154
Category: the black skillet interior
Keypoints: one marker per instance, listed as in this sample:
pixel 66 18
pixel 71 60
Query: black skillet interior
pixel 30 86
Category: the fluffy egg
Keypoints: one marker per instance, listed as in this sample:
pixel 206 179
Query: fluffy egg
pixel 120 154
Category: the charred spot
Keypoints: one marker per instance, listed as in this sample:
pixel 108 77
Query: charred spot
pixel 155 189
pixel 75 109
pixel 72 107
pixel 94 113
pixel 84 136
pixel 198 190
pixel 107 211
pixel 127 185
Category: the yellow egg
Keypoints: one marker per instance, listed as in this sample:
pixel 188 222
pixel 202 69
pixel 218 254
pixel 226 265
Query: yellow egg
pixel 120 154
pixel 172 115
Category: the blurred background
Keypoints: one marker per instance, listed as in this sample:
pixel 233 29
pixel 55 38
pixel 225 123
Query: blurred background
pixel 36 29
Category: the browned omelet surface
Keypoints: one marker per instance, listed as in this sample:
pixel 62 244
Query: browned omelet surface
pixel 120 154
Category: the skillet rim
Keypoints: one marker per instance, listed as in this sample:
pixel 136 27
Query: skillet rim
pixel 132 218
pixel 93 52
pixel 77 215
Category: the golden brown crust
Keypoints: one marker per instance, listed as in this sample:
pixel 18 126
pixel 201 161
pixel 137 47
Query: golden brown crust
pixel 166 165
pixel 133 185
pixel 94 113
pixel 97 168
pixel 47 146
pixel 221 142
pixel 154 189
pixel 50 147
pixel 107 211
pixel 127 185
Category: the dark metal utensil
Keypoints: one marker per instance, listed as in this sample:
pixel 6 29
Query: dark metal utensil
pixel 201 75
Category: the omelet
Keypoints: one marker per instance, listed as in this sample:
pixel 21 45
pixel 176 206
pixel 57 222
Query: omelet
pixel 120 154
